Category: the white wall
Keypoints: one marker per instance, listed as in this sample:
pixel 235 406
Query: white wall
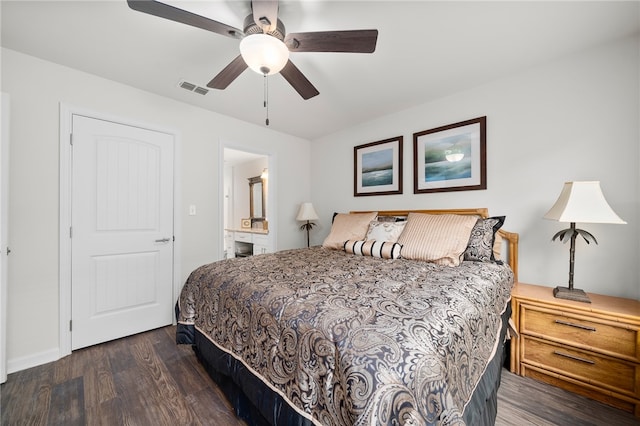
pixel 573 119
pixel 36 88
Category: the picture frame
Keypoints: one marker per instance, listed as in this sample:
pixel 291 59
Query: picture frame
pixel 377 168
pixel 451 157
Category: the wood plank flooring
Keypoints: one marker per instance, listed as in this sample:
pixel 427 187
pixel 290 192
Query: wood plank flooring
pixel 147 379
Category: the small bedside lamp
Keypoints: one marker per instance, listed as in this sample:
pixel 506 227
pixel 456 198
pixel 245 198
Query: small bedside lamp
pixel 579 202
pixel 307 213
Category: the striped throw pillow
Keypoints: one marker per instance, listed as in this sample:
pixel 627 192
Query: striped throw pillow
pixel 437 238
pixel 383 249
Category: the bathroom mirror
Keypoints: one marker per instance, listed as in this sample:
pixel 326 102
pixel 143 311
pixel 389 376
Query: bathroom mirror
pixel 257 208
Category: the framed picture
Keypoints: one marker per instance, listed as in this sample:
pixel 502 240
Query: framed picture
pixel 377 168
pixel 451 158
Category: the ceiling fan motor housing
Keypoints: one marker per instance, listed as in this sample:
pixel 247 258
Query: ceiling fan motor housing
pixel 250 27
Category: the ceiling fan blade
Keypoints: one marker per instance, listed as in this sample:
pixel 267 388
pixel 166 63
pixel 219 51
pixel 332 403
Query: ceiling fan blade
pixel 350 41
pixel 294 76
pixel 175 14
pixel 228 74
pixel 265 14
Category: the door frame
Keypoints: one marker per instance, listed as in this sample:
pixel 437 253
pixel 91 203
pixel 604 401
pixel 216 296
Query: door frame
pixel 67 112
pixel 4 229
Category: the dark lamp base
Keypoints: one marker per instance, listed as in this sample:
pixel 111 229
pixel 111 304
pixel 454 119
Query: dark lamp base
pixel 571 294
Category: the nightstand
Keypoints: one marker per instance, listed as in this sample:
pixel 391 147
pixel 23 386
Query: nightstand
pixel 592 349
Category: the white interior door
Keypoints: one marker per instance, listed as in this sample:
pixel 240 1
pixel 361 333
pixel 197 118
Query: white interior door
pixel 122 230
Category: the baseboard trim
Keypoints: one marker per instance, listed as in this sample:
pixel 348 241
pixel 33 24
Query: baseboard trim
pixel 22 363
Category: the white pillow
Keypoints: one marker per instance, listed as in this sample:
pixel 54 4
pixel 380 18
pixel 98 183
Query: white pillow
pixel 385 231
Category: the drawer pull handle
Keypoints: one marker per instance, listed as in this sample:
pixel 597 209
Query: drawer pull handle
pixel 570 324
pixel 577 358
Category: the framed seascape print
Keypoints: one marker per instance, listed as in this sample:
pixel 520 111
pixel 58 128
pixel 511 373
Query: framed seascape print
pixel 377 168
pixel 451 158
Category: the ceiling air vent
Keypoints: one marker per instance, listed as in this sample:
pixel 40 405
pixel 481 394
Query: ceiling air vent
pixel 193 88
pixel 201 90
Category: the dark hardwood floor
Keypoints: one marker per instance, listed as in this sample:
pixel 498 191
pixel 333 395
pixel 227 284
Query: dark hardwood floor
pixel 149 380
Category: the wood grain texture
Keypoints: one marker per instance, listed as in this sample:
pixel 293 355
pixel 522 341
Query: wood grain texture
pixel 298 81
pixel 348 41
pixel 147 379
pixel 592 349
pixel 228 74
pixel 524 401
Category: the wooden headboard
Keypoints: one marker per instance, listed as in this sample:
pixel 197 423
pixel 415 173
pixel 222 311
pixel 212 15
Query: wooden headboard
pixel 511 238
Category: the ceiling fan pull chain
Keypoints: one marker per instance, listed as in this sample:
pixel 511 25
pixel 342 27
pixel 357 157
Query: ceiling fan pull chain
pixel 266 98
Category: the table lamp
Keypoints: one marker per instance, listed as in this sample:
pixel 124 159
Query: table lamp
pixel 579 202
pixel 307 213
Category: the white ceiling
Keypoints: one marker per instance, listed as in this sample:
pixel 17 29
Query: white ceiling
pixel 426 50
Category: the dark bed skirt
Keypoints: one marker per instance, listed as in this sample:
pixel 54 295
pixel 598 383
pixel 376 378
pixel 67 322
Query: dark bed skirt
pixel 258 405
pixel 483 407
pixel 252 400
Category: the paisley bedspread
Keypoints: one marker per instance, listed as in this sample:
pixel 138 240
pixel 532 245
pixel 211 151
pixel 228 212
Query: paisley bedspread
pixel 352 340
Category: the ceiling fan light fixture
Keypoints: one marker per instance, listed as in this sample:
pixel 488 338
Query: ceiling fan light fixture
pixel 263 53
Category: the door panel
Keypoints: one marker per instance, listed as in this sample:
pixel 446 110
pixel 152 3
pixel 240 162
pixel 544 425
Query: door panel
pixel 122 232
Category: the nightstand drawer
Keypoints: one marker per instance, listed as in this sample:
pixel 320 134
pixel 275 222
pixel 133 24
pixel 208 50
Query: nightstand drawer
pixel 579 331
pixel 589 367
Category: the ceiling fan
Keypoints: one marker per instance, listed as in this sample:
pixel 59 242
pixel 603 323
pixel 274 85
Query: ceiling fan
pixel 264 44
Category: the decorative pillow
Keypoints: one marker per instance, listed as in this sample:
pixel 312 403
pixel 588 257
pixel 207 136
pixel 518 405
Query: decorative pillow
pixel 391 218
pixel 348 227
pixel 437 238
pixel 482 239
pixel 385 231
pixel 497 246
pixel 383 249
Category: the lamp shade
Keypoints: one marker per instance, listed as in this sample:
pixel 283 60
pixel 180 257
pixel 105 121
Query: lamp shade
pixel 263 53
pixel 307 212
pixel 582 202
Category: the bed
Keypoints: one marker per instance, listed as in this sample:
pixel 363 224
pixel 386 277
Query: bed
pixel 360 331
